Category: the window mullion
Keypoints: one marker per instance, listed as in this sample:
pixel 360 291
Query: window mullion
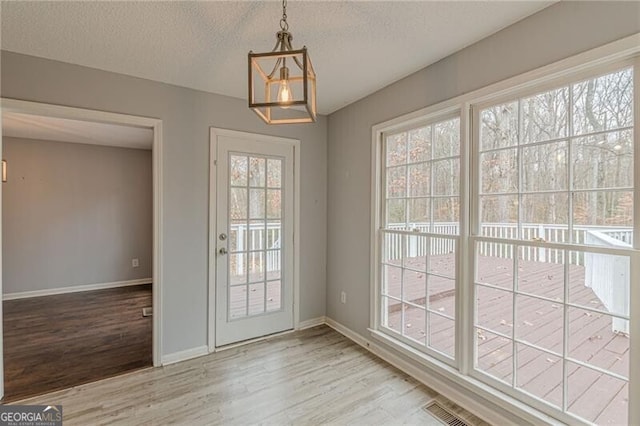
pixel 520 234
pixel 634 313
pixel 570 165
pixel 431 177
pixel 565 334
pixel 464 293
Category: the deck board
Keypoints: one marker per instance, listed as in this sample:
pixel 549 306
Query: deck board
pixel 539 322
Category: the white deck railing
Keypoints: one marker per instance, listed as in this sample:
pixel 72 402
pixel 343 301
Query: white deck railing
pixel 530 231
pixel 608 275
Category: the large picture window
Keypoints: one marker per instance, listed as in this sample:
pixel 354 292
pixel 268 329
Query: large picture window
pixel 556 177
pixel 506 230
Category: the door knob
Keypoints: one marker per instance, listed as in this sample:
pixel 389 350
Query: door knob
pixel 222 251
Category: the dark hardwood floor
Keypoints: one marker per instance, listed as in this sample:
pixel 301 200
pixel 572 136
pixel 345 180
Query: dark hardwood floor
pixel 55 342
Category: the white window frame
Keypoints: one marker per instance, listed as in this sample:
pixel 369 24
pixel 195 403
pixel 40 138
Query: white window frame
pixel 475 231
pixel 588 64
pixel 423 120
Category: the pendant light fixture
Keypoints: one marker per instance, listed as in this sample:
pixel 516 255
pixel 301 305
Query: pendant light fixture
pixel 282 83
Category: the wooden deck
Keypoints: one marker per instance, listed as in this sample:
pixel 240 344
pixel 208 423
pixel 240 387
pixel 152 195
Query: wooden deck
pixel 592 395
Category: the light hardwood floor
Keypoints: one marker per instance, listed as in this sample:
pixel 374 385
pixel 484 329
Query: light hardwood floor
pixel 315 376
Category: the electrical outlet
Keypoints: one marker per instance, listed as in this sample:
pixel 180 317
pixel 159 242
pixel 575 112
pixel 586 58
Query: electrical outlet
pixel 343 297
pixel 135 263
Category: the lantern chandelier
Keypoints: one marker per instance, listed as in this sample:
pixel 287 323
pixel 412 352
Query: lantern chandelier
pixel 282 83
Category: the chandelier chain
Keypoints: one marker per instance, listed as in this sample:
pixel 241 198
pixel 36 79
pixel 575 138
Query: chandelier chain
pixel 284 25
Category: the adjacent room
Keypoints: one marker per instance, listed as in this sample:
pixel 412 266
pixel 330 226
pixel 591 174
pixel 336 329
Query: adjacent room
pixel 321 212
pixel 77 242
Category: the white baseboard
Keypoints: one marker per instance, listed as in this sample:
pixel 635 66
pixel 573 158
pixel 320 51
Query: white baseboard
pixel 74 289
pixel 185 355
pixel 313 322
pixel 469 401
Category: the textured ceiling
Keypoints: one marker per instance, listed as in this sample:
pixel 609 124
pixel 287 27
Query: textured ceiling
pixel 63 130
pixel 356 47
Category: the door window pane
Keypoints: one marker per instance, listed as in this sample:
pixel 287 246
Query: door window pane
pixel 274 204
pixel 237 302
pixel 274 296
pixel 274 173
pixel 256 171
pixel 238 170
pixel 238 236
pixel 256 203
pixel 237 203
pixel 256 298
pixel 237 268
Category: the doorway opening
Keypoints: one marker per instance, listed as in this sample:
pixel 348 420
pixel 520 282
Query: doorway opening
pixel 81 246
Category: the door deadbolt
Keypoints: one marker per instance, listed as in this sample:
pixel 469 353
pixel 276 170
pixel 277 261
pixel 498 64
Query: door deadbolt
pixel 222 236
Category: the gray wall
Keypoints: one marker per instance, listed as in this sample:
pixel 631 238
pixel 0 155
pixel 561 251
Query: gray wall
pixel 74 214
pixel 562 30
pixel 187 115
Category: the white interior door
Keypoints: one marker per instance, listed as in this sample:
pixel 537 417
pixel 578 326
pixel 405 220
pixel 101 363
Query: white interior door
pixel 254 237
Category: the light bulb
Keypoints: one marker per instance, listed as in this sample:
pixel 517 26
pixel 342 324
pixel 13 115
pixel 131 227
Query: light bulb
pixel 285 94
